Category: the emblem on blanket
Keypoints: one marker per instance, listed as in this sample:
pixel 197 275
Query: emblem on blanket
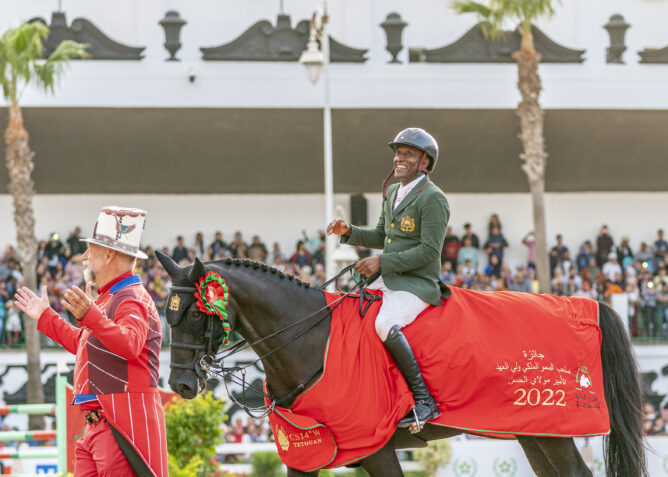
pixel 585 395
pixel 283 440
pixel 302 442
pixel 407 224
pixel 583 380
pixel 175 303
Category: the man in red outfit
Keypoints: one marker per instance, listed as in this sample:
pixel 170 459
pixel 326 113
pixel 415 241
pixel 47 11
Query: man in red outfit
pixel 117 346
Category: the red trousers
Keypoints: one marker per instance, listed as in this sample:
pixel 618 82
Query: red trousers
pixel 97 453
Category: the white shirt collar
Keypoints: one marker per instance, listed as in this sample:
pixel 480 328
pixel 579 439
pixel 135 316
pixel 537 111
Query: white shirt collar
pixel 405 189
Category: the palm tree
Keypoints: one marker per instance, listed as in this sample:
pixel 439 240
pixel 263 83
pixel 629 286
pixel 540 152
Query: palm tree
pixel 22 64
pixel 534 156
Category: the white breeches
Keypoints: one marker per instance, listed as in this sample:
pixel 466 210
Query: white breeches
pixel 398 308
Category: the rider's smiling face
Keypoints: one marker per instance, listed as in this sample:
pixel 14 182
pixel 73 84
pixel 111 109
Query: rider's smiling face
pixel 407 163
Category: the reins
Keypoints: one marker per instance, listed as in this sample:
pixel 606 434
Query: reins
pixel 211 362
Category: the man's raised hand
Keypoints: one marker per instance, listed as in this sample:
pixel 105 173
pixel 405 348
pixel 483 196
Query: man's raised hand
pixel 78 302
pixel 30 304
pixel 338 227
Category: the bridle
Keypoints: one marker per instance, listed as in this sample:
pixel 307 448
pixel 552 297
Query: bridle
pixel 199 365
pixel 212 360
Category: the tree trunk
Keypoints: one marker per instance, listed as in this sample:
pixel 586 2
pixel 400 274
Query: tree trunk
pixel 533 142
pixel 20 166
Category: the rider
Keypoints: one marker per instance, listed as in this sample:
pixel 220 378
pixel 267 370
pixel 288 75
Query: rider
pixel 411 231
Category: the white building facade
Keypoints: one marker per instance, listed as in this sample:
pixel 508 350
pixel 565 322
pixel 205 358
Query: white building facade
pixel 151 83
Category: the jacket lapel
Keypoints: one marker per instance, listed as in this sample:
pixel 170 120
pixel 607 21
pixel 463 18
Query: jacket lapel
pixel 389 202
pixel 412 195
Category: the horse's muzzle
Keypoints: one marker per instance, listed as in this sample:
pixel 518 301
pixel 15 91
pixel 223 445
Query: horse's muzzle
pixel 185 384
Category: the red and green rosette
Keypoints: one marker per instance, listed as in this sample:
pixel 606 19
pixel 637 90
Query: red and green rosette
pixel 212 297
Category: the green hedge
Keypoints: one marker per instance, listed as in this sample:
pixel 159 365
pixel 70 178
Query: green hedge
pixel 193 432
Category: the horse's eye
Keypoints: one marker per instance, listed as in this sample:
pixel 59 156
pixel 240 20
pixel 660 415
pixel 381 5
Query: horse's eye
pixel 197 315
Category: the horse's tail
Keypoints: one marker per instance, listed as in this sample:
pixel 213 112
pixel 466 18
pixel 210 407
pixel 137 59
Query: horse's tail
pixel 624 448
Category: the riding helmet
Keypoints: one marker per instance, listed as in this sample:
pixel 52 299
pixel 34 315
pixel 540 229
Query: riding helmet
pixel 419 139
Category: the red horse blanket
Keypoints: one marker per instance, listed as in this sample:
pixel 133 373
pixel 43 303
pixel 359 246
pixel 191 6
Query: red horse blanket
pixel 498 363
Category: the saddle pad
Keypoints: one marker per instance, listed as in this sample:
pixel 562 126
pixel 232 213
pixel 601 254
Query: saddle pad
pixel 498 363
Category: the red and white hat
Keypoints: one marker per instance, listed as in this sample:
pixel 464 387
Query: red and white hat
pixel 120 228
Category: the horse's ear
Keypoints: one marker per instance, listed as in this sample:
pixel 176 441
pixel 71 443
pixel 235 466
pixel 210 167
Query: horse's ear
pixel 167 262
pixel 197 271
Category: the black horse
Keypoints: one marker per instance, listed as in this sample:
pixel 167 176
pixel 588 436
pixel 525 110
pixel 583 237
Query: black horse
pixel 263 300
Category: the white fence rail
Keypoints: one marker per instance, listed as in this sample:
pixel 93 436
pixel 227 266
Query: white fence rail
pixel 486 457
pixel 473 458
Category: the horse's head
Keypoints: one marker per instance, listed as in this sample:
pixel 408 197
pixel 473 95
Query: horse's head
pixel 195 335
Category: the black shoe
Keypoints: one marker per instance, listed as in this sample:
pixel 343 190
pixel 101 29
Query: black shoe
pixel 426 407
pixel 424 411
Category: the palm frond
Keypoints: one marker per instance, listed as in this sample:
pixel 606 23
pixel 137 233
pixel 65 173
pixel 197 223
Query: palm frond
pixel 4 79
pixel 463 6
pixel 490 17
pixel 493 14
pixel 538 8
pixel 22 58
pixel 48 72
pixel 68 50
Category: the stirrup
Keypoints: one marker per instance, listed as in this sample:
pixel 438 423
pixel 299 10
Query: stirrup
pixel 417 426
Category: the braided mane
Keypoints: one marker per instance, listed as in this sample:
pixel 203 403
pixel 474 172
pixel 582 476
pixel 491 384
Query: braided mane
pixel 263 267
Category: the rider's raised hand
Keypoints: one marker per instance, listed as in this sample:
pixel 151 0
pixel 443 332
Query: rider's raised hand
pixel 338 227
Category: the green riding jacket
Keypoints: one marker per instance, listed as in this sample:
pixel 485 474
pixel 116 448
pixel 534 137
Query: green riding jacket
pixel 412 240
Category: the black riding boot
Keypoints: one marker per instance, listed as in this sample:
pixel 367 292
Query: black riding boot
pixel 426 407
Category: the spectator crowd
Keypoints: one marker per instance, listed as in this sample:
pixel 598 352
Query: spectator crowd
pixel 245 431
pixel 597 269
pixel 60 266
pixel 653 420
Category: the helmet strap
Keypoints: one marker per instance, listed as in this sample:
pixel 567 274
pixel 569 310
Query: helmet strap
pixel 387 179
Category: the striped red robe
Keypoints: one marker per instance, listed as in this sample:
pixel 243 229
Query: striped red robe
pixel 117 353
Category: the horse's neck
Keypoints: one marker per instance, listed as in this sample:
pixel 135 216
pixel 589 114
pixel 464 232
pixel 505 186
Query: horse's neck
pixel 268 304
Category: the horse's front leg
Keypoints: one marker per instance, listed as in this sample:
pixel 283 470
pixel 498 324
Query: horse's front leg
pixel 301 473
